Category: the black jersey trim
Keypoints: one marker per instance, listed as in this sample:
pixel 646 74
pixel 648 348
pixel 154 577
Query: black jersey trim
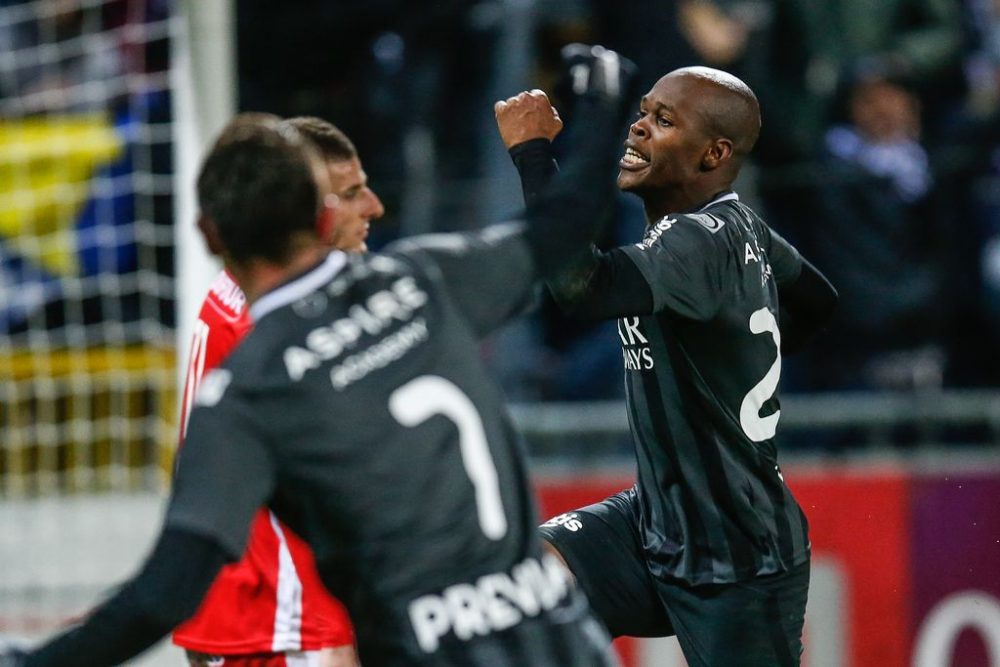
pixel 298 288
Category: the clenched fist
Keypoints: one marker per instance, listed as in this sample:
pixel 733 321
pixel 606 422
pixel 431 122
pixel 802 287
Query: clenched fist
pixel 528 115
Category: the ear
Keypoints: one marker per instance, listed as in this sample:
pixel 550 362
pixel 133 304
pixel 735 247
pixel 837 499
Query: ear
pixel 211 235
pixel 326 220
pixel 720 151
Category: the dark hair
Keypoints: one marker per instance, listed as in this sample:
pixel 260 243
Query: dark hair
pixel 327 137
pixel 257 185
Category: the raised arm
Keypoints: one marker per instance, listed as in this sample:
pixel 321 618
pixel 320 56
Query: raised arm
pixel 489 273
pixel 528 123
pixel 565 219
pixel 597 285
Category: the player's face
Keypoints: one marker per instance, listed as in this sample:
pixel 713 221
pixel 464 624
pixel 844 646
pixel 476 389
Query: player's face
pixel 667 141
pixel 357 205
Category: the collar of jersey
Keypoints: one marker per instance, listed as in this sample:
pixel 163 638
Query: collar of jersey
pixel 308 282
pixel 725 196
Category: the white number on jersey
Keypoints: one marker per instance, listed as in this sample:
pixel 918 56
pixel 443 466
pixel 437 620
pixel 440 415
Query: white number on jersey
pixel 420 399
pixel 756 427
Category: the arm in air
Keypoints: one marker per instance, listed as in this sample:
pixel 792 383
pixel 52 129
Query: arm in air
pixel 595 285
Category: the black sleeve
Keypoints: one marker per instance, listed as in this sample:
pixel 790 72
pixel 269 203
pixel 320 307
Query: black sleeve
pixel 228 423
pixel 567 217
pixel 785 260
pixel 611 284
pixel 683 260
pixel 165 593
pixel 807 307
pixel 490 273
pixel 536 165
pixel 603 286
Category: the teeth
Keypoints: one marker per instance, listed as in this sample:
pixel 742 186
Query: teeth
pixel 633 157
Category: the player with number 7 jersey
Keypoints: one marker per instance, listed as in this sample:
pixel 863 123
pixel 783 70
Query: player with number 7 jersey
pixel 270 605
pixel 270 608
pixel 360 412
pixel 362 415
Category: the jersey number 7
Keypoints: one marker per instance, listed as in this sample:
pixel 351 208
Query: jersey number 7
pixel 420 399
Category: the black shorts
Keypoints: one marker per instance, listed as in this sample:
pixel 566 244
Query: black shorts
pixel 747 623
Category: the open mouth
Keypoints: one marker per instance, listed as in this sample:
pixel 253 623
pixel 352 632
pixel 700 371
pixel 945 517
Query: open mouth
pixel 633 159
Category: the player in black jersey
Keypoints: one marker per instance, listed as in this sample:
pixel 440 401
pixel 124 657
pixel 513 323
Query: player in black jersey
pixel 359 411
pixel 709 545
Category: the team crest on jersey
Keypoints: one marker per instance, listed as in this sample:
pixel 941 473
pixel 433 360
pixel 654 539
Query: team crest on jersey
pixel 655 232
pixel 709 222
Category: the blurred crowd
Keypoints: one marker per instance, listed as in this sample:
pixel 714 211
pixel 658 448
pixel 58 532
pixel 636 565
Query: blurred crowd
pixel 879 154
pixel 84 95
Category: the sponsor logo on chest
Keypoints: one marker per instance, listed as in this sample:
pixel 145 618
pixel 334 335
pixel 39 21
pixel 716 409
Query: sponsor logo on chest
pixel 635 345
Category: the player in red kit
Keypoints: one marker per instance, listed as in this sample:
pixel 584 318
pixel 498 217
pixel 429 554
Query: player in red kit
pixel 270 608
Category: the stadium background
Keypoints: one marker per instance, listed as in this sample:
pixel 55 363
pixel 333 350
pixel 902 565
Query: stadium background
pixel 890 427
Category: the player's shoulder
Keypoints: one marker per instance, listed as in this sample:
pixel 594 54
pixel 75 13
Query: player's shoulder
pixel 428 253
pixel 688 229
pixel 225 302
pixel 730 219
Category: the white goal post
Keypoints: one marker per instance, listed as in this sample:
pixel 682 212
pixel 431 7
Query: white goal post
pixel 99 150
pixel 205 89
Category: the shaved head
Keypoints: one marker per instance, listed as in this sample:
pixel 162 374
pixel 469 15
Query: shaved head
pixel 727 106
pixel 694 129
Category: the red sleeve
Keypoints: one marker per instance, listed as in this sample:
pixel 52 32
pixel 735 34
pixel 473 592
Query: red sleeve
pixel 222 323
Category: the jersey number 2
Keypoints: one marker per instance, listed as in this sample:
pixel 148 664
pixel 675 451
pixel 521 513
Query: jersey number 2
pixel 759 428
pixel 420 399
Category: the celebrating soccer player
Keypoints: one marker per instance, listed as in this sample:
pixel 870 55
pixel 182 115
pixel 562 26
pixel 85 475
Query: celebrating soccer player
pixel 359 411
pixel 709 544
pixel 270 608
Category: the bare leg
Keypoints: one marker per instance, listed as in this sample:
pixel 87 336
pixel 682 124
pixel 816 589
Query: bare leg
pixel 341 656
pixel 555 552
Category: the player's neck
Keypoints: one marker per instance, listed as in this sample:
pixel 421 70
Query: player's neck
pixel 258 277
pixel 680 200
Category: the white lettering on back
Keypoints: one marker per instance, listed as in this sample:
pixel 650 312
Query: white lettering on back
pixel 373 317
pixel 494 603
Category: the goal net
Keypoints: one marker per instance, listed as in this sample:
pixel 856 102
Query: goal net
pixel 87 298
pixel 86 246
